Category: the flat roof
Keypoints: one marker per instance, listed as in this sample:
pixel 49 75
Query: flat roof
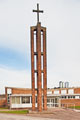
pixel 54 95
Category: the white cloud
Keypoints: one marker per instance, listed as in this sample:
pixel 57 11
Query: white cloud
pixel 14 78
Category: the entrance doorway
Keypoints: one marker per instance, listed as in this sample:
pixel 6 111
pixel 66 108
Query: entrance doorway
pixel 53 101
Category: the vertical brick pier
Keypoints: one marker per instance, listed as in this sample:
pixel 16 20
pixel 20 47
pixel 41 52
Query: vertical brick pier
pixel 38 59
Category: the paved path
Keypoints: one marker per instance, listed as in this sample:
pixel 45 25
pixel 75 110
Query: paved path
pixel 52 114
pixel 60 114
pixel 21 117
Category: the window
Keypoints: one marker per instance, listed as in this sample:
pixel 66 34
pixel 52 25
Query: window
pixel 52 100
pixel 63 91
pixel 56 100
pixel 15 100
pixel 49 92
pixel 76 97
pixel 26 99
pixel 56 91
pixel 48 100
pixel 73 97
pixel 63 97
pixel 71 91
pixel 9 91
pixel 68 96
pixel 8 98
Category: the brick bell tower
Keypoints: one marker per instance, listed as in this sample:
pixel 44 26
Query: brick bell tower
pixel 38 64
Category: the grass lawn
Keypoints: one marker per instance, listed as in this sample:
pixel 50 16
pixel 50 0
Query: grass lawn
pixel 3 108
pixel 15 111
pixel 76 107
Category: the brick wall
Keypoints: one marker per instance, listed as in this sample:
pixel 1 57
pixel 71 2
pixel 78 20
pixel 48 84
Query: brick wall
pixel 3 103
pixel 71 102
pixel 18 91
pixel 29 91
pixel 77 90
pixel 21 91
pixel 2 100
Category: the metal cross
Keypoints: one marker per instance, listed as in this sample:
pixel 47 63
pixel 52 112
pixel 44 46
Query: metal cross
pixel 38 11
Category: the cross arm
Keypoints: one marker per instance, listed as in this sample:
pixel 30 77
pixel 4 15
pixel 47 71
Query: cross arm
pixel 40 11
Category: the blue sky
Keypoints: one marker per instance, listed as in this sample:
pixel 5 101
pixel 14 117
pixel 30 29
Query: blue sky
pixel 62 19
pixel 13 59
